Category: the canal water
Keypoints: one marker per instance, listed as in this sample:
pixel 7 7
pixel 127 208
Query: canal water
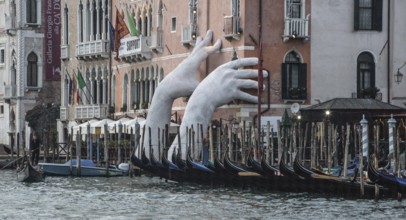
pixel 151 198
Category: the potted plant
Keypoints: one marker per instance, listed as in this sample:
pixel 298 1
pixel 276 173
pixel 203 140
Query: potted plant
pixel 370 92
pixel 297 92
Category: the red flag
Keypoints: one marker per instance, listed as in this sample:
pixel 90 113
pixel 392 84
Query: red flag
pixel 121 31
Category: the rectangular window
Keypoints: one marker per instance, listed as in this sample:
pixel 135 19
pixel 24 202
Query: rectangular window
pixel 32 11
pixel 2 55
pixel 173 26
pixel 294 79
pixel 294 8
pixel 1 110
pixel 368 15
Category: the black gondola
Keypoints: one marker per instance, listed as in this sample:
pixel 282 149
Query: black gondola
pixel 27 173
pixel 387 180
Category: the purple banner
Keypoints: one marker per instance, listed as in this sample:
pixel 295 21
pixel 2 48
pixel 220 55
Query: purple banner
pixel 52 40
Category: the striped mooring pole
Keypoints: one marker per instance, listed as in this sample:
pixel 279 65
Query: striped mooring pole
pixel 364 125
pixel 391 155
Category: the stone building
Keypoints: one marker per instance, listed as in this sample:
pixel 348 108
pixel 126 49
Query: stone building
pixel 29 66
pixel 122 82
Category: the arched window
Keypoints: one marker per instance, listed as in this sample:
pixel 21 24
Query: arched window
pixel 365 75
pixel 32 11
pixel 293 77
pixel 32 70
pixel 125 94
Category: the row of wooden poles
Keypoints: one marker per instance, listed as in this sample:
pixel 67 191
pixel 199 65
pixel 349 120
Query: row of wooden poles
pixel 314 143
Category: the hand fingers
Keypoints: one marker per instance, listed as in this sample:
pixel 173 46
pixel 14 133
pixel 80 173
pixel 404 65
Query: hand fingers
pixel 198 40
pixel 236 64
pixel 206 40
pixel 215 47
pixel 247 84
pixel 247 73
pixel 246 97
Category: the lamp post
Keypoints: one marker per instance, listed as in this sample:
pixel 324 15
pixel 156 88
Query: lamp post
pixel 398 75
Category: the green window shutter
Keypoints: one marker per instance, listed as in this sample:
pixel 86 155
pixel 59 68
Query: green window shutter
pixel 356 15
pixel 377 15
pixel 372 75
pixel 303 78
pixel 284 81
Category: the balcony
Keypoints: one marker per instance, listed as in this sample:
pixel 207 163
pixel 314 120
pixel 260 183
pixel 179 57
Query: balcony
pixel 188 34
pixel 134 49
pixel 295 94
pixel 64 113
pixel 93 49
pixel 156 40
pixel 232 28
pixel 91 111
pixel 64 52
pixel 10 25
pixel 296 28
pixel 10 91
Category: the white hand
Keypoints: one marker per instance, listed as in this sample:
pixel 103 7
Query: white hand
pixel 220 87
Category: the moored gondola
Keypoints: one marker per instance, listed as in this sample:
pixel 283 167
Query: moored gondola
pixel 387 180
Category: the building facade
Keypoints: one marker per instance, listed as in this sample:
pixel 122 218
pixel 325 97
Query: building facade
pixel 162 34
pixel 357 45
pixel 29 71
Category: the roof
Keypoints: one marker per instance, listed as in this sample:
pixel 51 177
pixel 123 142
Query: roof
pixel 353 104
pixel 349 110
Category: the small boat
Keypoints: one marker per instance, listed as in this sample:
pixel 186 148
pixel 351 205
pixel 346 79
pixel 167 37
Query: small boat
pixel 27 173
pixel 387 180
pixel 88 169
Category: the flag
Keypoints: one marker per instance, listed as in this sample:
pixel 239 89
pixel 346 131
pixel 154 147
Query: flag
pixel 121 31
pixel 131 24
pixel 74 90
pixel 112 36
pixel 81 81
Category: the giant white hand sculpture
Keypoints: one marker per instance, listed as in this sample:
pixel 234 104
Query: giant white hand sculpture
pixel 180 82
pixel 220 87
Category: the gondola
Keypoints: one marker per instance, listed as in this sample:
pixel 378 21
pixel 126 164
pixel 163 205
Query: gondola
pixel 27 173
pixel 390 181
pixel 243 174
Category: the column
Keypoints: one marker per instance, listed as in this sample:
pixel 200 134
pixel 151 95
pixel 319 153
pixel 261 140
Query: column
pixel 98 91
pixel 98 20
pixel 104 90
pixel 150 90
pixel 91 17
pixel 141 93
pixel 92 95
pixel 104 34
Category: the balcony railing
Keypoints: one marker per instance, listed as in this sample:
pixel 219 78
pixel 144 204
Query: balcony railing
pixel 10 24
pixel 135 49
pixel 10 91
pixel 232 27
pixel 188 34
pixel 64 113
pixel 156 40
pixel 91 111
pixel 296 28
pixel 93 49
pixel 64 51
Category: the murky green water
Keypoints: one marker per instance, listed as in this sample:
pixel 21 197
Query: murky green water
pixel 151 198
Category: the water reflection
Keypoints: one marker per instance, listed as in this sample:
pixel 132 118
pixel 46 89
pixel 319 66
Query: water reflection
pixel 151 198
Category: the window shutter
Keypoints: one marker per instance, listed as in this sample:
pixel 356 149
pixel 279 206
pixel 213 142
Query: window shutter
pixel 356 14
pixel 303 78
pixel 372 75
pixel 284 86
pixel 358 80
pixel 377 25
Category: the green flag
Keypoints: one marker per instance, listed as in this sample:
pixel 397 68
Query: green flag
pixel 81 81
pixel 131 24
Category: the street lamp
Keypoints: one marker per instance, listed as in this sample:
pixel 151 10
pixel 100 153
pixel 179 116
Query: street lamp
pixel 398 75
